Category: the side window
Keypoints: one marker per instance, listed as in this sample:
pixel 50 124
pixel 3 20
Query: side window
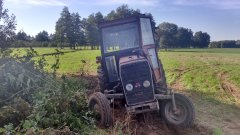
pixel 111 68
pixel 147 35
pixel 153 58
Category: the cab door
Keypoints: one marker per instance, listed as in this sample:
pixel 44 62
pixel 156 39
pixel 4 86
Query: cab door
pixel 149 47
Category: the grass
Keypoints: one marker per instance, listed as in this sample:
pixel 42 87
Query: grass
pixel 204 71
pixel 71 61
pixel 199 70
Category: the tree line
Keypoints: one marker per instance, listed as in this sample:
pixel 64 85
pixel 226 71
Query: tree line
pixel 225 44
pixel 75 32
pixel 169 35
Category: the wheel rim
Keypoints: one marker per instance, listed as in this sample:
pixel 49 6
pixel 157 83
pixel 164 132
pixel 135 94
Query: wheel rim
pixel 178 116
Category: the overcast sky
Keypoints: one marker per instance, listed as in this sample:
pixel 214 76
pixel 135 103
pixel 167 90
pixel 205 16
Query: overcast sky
pixel 219 18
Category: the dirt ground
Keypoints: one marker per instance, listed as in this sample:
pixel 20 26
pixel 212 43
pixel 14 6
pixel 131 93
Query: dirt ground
pixel 213 115
pixel 209 117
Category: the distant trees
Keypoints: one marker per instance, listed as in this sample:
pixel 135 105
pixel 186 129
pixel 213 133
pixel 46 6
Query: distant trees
pixel 184 38
pixel 21 35
pixel 166 34
pixel 42 36
pixel 201 39
pixel 69 29
pixel 238 42
pixel 78 37
pixel 122 12
pixel 7 27
pixel 169 35
pixel 91 30
pixel 225 44
pixel 63 27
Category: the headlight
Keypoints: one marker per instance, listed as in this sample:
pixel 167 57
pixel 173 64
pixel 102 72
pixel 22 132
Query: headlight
pixel 146 83
pixel 129 87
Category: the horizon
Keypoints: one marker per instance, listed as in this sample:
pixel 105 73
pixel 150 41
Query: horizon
pixel 219 18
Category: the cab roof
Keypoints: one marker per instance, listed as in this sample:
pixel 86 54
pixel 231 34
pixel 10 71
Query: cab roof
pixel 121 21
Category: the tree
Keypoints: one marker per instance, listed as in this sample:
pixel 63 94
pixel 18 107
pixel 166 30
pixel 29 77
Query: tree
pixel 7 27
pixel 183 37
pixel 122 11
pixel 201 39
pixel 69 29
pixel 78 29
pixel 238 43
pixel 42 36
pixel 21 35
pixel 91 31
pixel 64 27
pixel 167 31
pixel 98 18
pixel 224 44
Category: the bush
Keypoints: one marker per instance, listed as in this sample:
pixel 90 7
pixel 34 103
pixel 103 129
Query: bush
pixel 33 99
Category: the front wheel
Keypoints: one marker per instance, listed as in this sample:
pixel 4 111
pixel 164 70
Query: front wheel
pixel 184 115
pixel 99 105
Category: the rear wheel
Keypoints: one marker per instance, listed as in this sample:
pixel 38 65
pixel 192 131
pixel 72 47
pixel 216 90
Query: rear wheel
pixel 99 105
pixel 102 78
pixel 161 87
pixel 183 116
pixel 163 82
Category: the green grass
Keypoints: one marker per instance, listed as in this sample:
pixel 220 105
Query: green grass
pixel 204 70
pixel 199 70
pixel 70 62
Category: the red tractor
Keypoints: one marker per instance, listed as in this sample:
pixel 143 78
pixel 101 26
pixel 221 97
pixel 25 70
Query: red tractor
pixel 130 71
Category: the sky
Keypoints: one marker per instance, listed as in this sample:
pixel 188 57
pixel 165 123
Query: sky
pixel 219 18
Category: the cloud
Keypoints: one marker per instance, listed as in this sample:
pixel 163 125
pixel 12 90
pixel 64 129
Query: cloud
pixel 129 2
pixel 39 2
pixel 220 4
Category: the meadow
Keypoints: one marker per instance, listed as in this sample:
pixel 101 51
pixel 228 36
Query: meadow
pixel 211 72
pixel 210 77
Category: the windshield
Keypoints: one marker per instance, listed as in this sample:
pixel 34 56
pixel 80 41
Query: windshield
pixel 120 37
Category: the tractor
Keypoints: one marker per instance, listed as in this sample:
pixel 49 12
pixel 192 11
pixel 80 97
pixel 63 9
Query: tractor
pixel 130 71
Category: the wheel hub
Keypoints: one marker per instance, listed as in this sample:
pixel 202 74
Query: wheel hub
pixel 178 115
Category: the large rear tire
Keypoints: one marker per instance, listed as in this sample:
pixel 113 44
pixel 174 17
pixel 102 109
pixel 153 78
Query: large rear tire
pixel 99 105
pixel 102 79
pixel 161 87
pixel 163 82
pixel 184 115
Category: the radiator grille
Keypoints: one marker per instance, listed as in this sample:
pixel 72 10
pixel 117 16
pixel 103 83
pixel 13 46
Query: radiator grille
pixel 136 73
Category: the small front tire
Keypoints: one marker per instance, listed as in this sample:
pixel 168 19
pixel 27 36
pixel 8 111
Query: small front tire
pixel 184 115
pixel 99 105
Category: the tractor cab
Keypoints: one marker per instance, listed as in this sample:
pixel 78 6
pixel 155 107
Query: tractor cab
pixel 125 39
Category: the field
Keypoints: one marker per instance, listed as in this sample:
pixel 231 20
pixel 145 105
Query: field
pixel 210 77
